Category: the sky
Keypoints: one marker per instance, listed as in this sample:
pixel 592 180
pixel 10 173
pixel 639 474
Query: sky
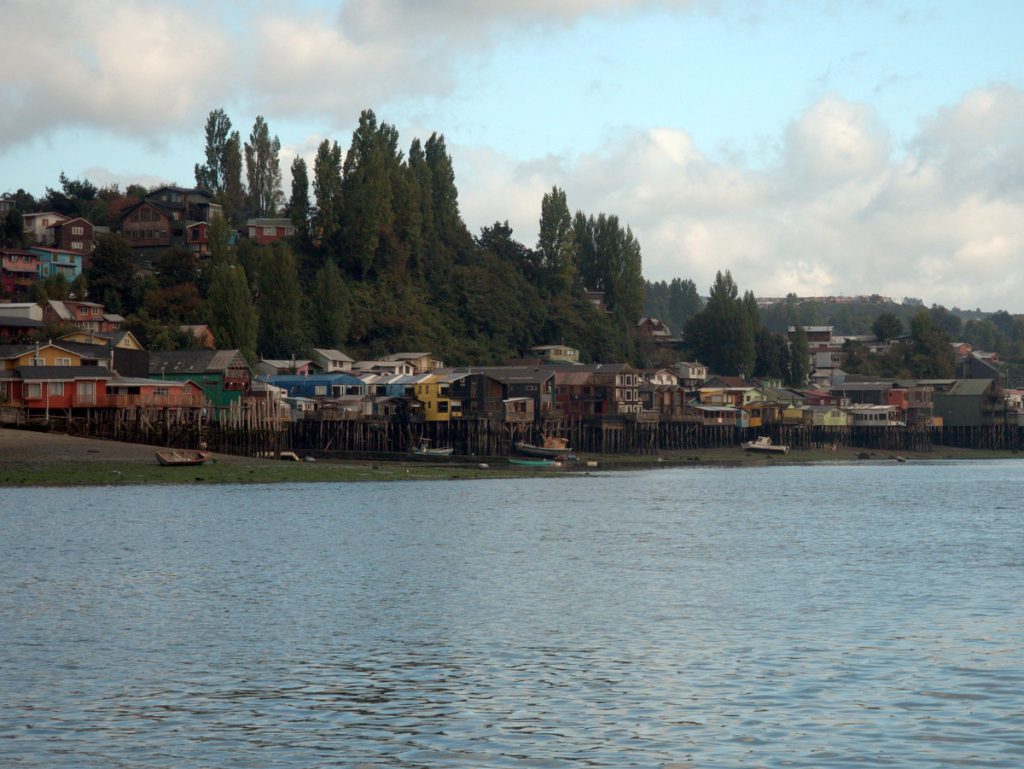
pixel 836 147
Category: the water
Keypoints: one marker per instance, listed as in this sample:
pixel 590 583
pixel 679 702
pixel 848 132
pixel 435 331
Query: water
pixel 849 615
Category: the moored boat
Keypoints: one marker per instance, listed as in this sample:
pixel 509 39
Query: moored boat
pixel 533 462
pixel 424 449
pixel 553 448
pixel 763 444
pixel 181 457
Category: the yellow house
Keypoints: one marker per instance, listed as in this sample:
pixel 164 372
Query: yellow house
pixel 433 392
pixel 123 340
pixel 43 355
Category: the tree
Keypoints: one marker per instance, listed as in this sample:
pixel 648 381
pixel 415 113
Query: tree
pixel 233 196
pixel 298 204
pixel 12 231
pixel 232 312
pixel 722 334
pixel 263 170
pixel 329 308
pixel 887 326
pixel 556 244
pixel 281 331
pixel 327 188
pixel 772 355
pixel 931 353
pixel 683 303
pixel 366 189
pixel 799 358
pixel 213 175
pixel 112 274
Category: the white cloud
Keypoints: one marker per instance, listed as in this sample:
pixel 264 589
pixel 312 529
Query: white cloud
pixel 837 212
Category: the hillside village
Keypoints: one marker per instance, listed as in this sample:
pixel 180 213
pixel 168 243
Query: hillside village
pixel 99 367
pixel 375 304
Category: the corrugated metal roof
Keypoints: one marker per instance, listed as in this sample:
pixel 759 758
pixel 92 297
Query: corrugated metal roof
pixel 65 373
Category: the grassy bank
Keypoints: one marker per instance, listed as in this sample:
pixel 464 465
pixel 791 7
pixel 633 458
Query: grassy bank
pixel 93 469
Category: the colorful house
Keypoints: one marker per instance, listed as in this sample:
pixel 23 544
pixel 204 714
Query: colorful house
pixel 141 392
pixel 55 261
pixel 224 375
pixel 319 386
pixel 435 394
pixel 19 271
pixel 51 388
pixel 265 231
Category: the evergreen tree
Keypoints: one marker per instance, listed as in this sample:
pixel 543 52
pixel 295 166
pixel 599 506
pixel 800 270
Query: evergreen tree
pixel 263 170
pixel 772 358
pixel 327 189
pixel 233 196
pixel 886 326
pixel 281 331
pixel 556 244
pixel 931 353
pixel 298 204
pixel 232 313
pixel 366 189
pixel 112 274
pixel 799 358
pixel 329 310
pixel 721 335
pixel 451 231
pixel 683 303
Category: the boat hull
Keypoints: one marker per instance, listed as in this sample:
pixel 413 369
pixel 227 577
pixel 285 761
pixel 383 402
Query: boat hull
pixel 543 452
pixel 181 457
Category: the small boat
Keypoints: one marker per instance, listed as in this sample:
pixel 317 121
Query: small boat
pixel 533 462
pixel 181 457
pixel 763 445
pixel 424 449
pixel 553 448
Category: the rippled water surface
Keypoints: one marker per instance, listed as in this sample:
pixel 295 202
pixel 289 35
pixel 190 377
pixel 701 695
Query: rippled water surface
pixel 846 615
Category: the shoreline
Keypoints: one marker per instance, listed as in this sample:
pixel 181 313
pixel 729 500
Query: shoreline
pixel 32 458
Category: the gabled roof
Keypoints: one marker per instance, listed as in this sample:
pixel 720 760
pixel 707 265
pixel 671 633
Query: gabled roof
pixel 329 354
pixel 63 373
pixel 192 361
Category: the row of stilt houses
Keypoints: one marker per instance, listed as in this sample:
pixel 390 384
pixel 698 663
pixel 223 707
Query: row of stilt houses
pixel 329 405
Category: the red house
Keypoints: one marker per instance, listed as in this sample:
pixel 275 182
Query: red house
pixel 19 270
pixel 197 238
pixel 55 387
pixel 132 392
pixel 265 231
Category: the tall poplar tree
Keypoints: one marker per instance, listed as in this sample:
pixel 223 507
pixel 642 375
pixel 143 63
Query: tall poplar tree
pixel 366 188
pixel 556 242
pixel 298 203
pixel 263 170
pixel 212 175
pixel 327 189
pixel 232 312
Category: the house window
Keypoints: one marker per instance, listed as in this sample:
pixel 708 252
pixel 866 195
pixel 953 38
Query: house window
pixel 33 391
pixel 77 245
pixel 320 390
pixel 62 362
pixel 77 230
pixel 160 392
pixel 56 388
pixel 270 230
pixel 442 407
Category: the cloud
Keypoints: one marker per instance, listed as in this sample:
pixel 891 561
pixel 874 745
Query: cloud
pixel 135 67
pixel 126 67
pixel 837 212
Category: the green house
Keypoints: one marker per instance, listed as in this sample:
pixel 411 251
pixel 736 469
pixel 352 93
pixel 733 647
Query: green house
pixel 224 375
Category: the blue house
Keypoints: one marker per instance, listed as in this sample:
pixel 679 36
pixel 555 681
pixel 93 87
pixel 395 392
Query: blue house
pixel 319 385
pixel 56 261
